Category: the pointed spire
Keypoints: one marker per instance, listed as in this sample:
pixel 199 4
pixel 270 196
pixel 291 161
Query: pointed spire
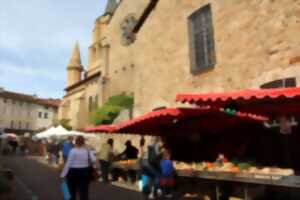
pixel 75 59
pixel 111 6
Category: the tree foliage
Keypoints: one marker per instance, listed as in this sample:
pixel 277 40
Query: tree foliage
pixel 65 123
pixel 111 109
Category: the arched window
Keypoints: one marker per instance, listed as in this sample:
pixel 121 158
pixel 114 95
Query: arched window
pixel 281 83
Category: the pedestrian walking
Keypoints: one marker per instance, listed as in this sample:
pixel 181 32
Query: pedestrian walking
pixel 150 168
pixel 77 170
pixel 67 147
pixel 105 156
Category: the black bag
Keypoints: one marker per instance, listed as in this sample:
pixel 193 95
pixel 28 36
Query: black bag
pixel 93 173
pixel 153 156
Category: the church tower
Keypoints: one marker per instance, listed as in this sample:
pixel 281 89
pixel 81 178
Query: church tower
pixel 75 67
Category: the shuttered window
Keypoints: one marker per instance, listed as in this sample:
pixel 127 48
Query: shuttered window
pixel 96 102
pixel 202 46
pixel 90 104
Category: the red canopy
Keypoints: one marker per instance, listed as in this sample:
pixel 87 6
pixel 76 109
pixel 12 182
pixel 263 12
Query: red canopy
pixel 101 128
pixel 243 95
pixel 180 120
pixel 267 102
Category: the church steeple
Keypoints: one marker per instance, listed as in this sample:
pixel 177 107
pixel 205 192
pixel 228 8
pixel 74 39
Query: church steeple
pixel 76 58
pixel 75 67
pixel 111 6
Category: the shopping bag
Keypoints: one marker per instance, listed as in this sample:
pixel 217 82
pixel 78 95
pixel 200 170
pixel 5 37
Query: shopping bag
pixel 144 184
pixel 65 191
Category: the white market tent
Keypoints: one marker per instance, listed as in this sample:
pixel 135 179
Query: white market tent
pixel 56 132
pixel 45 133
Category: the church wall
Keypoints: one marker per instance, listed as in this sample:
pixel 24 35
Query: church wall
pixel 255 42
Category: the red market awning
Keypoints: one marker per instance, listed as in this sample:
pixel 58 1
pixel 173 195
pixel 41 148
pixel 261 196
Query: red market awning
pixel 180 120
pixel 267 102
pixel 101 128
pixel 248 95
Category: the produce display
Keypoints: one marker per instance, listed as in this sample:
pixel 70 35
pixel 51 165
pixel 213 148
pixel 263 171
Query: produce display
pixel 223 165
pixel 127 164
pixel 220 165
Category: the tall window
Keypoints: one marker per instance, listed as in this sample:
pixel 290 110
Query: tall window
pixel 96 102
pixel 281 83
pixel 202 45
pixel 40 114
pixel 46 115
pixel 27 126
pixel 90 104
pixel 11 124
pixel 20 125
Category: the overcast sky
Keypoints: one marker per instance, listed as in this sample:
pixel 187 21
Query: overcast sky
pixel 36 42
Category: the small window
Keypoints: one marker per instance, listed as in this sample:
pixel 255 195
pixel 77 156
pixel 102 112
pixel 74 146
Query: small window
pixel 11 124
pixel 40 114
pixel 46 115
pixel 90 104
pixel 281 83
pixel 202 44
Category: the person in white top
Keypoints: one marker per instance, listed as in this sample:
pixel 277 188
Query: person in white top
pixel 77 170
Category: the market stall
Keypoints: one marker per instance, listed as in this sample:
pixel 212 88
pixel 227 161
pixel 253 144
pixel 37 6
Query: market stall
pixel 260 149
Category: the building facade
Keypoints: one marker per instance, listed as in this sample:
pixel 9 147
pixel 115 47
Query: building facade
pixel 21 113
pixel 155 49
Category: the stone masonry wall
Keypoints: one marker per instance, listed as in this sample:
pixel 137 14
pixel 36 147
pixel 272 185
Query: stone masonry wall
pixel 256 41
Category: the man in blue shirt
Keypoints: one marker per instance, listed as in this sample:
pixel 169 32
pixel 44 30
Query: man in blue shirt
pixel 67 146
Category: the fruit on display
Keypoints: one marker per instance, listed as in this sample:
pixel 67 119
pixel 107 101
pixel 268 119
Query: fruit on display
pixel 223 165
pixel 244 166
pixel 126 163
pixel 220 165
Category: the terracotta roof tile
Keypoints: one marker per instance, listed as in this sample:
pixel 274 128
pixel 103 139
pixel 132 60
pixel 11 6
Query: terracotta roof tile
pixel 30 98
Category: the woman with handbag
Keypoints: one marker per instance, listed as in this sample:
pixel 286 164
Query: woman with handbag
pixel 78 170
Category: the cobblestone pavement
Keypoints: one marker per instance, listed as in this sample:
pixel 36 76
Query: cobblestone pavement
pixel 37 181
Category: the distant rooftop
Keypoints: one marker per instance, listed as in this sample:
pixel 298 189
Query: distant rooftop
pixel 29 98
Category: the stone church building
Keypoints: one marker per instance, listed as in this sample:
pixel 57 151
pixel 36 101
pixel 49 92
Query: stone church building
pixel 155 49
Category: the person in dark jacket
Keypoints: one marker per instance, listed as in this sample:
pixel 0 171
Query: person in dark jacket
pixel 130 152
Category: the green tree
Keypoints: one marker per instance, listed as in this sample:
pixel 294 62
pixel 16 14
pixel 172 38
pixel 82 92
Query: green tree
pixel 111 109
pixel 65 123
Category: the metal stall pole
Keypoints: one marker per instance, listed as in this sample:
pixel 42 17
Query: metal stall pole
pixel 246 197
pixel 217 192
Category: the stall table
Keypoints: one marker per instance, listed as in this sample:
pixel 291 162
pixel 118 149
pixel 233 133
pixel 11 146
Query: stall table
pixel 242 178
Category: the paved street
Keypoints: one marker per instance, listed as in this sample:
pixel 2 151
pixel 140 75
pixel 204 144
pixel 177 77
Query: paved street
pixel 33 178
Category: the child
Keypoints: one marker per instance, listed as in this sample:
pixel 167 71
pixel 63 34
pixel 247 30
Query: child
pixel 168 174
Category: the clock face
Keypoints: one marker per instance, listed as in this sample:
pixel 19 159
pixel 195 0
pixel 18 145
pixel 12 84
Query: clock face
pixel 127 26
